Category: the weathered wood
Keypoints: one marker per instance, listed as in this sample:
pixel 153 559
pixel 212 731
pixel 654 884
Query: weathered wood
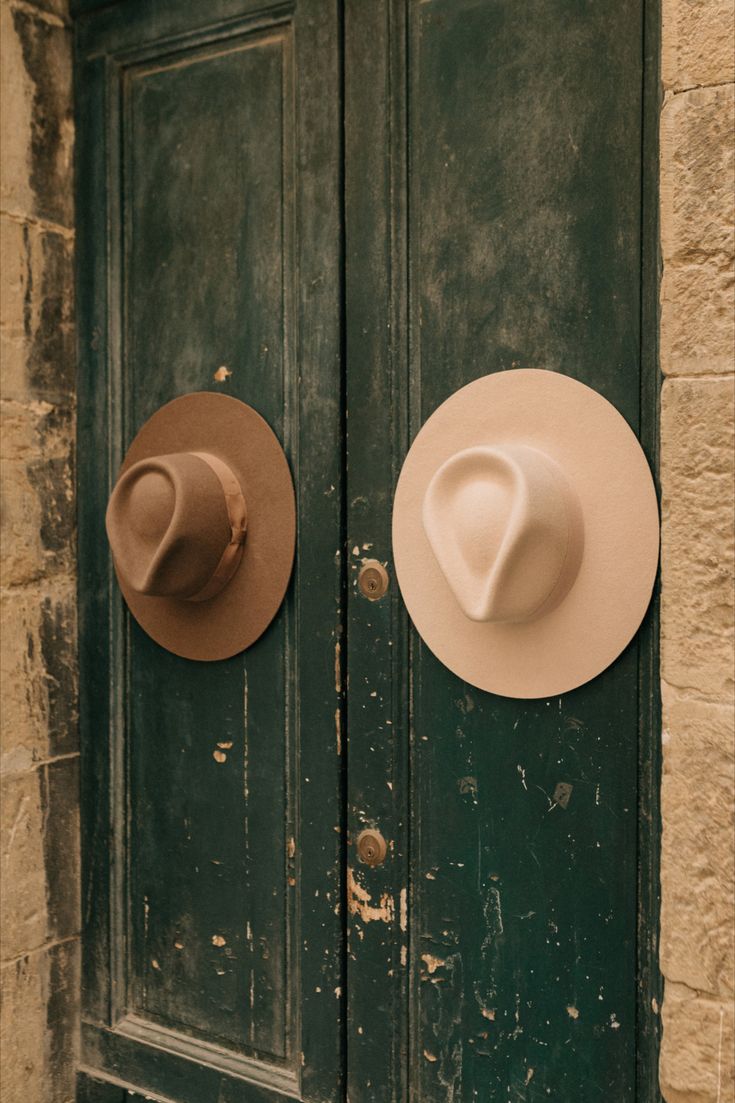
pixel 529 929
pixel 493 175
pixel 377 744
pixel 209 159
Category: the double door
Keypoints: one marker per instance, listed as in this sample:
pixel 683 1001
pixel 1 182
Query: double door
pixel 340 214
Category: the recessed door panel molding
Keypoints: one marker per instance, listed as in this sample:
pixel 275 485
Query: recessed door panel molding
pixel 206 277
pixel 212 136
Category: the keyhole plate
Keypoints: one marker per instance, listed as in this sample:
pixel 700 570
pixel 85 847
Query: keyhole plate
pixel 372 579
pixel 371 847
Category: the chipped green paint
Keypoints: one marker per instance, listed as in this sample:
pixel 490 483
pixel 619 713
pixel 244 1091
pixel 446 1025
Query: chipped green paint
pixel 209 246
pixel 491 192
pixel 493 219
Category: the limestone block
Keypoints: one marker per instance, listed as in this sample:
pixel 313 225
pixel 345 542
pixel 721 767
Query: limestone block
pixel 36 313
pixel 38 674
pixel 53 8
pixel 38 1026
pixel 36 126
pixel 39 844
pixel 697 43
pixel 22 683
pixel 23 1029
pixel 697 862
pixel 23 920
pixel 697 523
pixel 697 1049
pixel 37 483
pixel 697 234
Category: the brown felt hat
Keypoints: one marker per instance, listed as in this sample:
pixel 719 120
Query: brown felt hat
pixel 202 526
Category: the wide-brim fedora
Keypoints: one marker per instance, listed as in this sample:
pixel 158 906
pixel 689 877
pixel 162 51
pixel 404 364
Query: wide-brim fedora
pixel 526 533
pixel 202 526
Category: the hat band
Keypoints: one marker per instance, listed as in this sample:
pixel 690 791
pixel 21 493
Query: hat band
pixel 237 515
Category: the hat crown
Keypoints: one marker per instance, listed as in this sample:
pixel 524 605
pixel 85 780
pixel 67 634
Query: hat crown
pixel 176 524
pixel 152 501
pixel 506 530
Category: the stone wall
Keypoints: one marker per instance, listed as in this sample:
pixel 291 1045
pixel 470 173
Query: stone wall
pixel 698 663
pixel 38 753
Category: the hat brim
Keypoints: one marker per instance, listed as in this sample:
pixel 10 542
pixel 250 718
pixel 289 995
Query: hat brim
pixel 234 432
pixel 606 466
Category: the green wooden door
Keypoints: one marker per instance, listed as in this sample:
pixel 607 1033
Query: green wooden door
pixel 496 217
pixel 208 170
pixel 354 209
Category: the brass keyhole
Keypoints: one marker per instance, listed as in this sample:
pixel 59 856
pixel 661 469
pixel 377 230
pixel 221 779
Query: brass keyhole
pixel 371 847
pixel 372 579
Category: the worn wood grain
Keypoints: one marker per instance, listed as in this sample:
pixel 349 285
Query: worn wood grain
pixel 209 164
pixel 530 917
pixel 497 213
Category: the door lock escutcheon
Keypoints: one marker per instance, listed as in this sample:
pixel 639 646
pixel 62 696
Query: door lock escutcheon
pixel 373 579
pixel 371 847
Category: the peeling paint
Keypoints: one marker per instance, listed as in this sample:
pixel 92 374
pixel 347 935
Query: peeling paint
pixel 360 904
pixel 493 917
pixel 432 963
pixel 563 793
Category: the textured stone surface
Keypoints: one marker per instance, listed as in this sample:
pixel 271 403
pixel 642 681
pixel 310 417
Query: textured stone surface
pixel 39 805
pixel 697 340
pixel 36 322
pixel 36 125
pixel 697 555
pixel 37 1032
pixel 37 522
pixel 697 1061
pixel 39 832
pixel 697 43
pixel 38 674
pixel 22 911
pixel 697 931
pixel 55 10
pixel 697 237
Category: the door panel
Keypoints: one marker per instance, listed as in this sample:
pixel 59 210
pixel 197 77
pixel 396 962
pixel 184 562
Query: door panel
pixel 208 198
pixel 525 252
pixel 494 172
pixel 203 185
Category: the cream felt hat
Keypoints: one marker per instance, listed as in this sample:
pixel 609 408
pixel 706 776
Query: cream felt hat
pixel 202 525
pixel 525 533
